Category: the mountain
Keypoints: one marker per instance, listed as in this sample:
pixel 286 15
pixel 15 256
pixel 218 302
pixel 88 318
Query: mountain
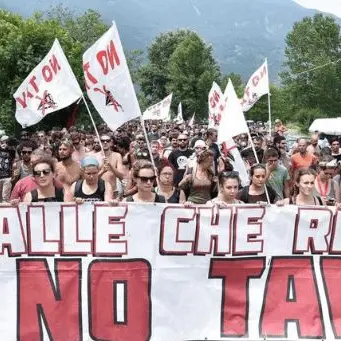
pixel 242 32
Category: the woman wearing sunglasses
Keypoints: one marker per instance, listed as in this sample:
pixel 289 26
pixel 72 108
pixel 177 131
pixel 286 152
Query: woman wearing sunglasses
pixel 229 183
pixel 144 176
pixel 46 191
pixel 325 186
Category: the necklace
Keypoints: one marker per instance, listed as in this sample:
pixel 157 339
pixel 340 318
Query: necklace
pixel 323 190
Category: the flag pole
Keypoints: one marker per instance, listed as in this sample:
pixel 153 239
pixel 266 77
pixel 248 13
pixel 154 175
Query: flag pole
pixel 269 102
pixel 150 151
pixel 93 123
pixel 257 160
pixel 147 141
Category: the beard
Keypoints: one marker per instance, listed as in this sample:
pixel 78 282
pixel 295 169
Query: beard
pixel 64 157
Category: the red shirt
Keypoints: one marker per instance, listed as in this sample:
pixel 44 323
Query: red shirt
pixel 26 185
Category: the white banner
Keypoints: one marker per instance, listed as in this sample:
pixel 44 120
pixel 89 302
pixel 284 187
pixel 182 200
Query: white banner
pixel 49 87
pixel 216 105
pixel 159 111
pixel 108 82
pixel 256 87
pixel 233 120
pixel 191 121
pixel 94 272
pixel 179 118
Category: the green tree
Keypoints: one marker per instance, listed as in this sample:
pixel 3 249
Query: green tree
pixel 237 81
pixel 153 76
pixel 24 42
pixel 314 41
pixel 191 71
pixel 179 62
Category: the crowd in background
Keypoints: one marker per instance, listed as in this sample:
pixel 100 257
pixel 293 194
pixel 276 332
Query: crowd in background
pixel 189 167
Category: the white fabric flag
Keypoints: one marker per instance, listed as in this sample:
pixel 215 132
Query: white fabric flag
pixel 238 163
pixel 256 87
pixel 108 82
pixel 179 118
pixel 232 121
pixel 191 122
pixel 216 105
pixel 159 111
pixel 49 87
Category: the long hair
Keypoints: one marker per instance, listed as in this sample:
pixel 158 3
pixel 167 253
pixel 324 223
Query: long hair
pixel 299 173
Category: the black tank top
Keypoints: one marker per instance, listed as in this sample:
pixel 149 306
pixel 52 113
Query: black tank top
pixel 59 196
pixel 96 196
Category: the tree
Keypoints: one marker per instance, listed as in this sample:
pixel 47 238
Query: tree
pixel 191 71
pixel 313 42
pixel 153 76
pixel 237 82
pixel 179 62
pixel 24 42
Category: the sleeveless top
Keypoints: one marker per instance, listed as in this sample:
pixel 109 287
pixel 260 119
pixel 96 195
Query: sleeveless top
pixel 24 173
pixel 59 196
pixel 158 198
pixel 317 201
pixel 98 195
pixel 174 198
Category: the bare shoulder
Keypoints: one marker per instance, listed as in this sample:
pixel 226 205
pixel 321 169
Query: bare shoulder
pixel 115 156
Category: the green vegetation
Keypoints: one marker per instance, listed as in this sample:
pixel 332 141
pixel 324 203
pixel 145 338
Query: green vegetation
pixel 180 62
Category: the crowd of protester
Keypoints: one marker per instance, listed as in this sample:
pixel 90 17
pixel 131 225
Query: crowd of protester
pixel 189 167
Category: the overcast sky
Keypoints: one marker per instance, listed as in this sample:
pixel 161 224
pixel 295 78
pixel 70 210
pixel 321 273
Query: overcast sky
pixel 328 6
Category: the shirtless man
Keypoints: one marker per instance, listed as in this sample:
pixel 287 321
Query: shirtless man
pixel 67 170
pixel 112 167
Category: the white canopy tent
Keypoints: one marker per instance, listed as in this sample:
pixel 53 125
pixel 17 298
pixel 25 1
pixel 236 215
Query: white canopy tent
pixel 329 126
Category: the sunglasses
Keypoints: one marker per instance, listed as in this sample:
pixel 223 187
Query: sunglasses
pixel 26 152
pixel 147 178
pixel 105 141
pixel 181 140
pixel 42 172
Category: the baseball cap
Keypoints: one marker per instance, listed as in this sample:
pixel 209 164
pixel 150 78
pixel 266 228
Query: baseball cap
pixel 89 161
pixel 199 143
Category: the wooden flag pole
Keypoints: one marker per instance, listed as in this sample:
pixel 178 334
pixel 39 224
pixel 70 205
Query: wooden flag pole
pixel 93 123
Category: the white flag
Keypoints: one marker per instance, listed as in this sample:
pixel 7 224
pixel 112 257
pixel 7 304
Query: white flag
pixel 256 87
pixel 108 82
pixel 49 87
pixel 159 111
pixel 179 118
pixel 216 105
pixel 191 122
pixel 232 121
pixel 238 163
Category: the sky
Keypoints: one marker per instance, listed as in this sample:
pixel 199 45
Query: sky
pixel 327 6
